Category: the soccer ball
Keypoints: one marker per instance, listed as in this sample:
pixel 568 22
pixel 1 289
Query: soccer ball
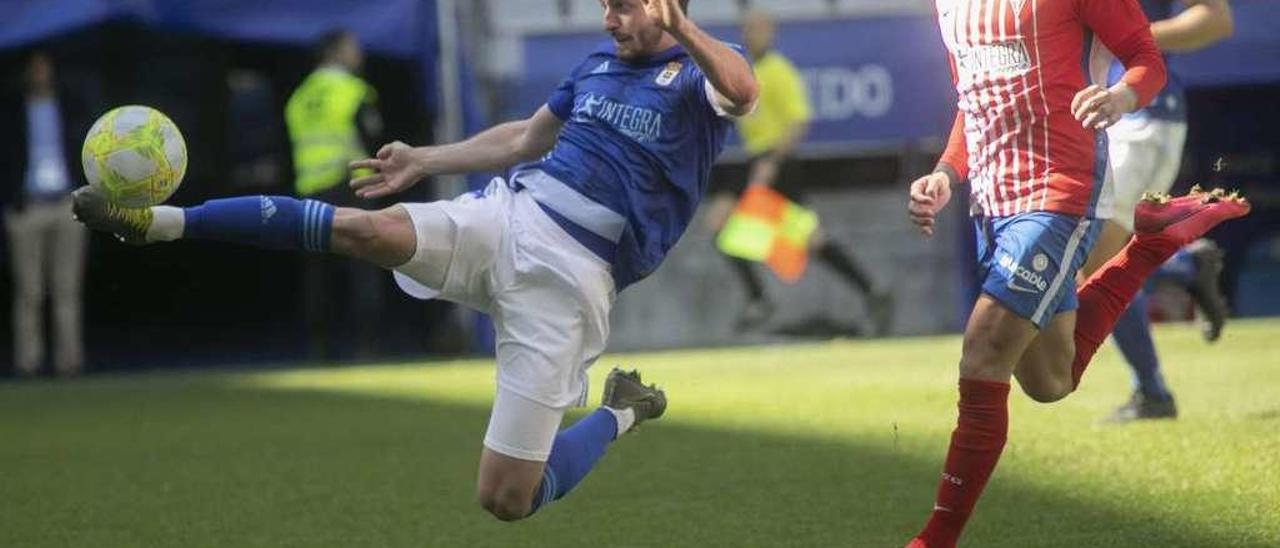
pixel 135 156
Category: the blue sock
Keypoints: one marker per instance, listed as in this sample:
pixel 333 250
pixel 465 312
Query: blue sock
pixel 272 222
pixel 574 453
pixel 1181 267
pixel 1133 336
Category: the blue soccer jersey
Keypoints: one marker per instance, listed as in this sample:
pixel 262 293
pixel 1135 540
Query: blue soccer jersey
pixel 1170 103
pixel 633 158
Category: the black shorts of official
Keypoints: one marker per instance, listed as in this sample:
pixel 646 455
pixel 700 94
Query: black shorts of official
pixel 734 180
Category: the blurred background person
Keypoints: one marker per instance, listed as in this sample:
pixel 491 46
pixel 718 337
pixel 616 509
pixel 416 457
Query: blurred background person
pixel 332 120
pixel 46 122
pixel 769 136
pixel 1146 153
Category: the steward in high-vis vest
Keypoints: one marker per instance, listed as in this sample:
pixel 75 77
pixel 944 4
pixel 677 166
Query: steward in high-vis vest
pixel 772 226
pixel 332 120
pixel 331 117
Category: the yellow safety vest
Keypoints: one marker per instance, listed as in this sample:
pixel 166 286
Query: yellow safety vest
pixel 784 100
pixel 321 116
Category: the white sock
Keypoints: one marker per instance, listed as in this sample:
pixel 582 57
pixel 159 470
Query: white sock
pixel 625 417
pixel 167 223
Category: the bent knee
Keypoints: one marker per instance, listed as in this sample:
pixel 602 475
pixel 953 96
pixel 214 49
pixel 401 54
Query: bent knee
pixel 505 504
pixel 1048 392
pixel 985 357
pixel 385 237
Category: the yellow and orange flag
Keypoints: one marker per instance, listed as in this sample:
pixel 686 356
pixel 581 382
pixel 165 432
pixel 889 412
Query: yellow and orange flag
pixel 766 227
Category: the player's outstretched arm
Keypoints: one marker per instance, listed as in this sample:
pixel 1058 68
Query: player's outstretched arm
pixel 1202 24
pixel 399 166
pixel 728 72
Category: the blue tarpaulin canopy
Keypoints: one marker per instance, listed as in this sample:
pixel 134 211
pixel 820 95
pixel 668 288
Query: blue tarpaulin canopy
pixel 866 93
pixel 400 28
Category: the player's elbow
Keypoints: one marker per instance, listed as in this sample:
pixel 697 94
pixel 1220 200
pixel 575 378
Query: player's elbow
pixel 743 99
pixel 530 147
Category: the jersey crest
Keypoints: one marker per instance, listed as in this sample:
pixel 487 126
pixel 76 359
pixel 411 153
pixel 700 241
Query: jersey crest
pixel 669 74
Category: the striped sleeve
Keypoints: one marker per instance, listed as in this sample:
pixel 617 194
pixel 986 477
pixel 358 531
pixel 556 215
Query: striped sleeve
pixel 956 155
pixel 1124 29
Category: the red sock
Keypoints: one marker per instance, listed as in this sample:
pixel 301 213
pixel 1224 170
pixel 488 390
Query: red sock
pixel 1106 294
pixel 976 444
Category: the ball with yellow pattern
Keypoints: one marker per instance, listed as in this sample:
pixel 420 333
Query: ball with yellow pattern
pixel 135 156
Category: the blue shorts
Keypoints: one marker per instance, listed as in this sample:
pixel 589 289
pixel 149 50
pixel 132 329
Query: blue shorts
pixel 1029 262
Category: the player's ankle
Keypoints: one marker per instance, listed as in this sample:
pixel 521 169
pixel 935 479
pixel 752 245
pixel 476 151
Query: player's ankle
pixel 625 417
pixel 167 224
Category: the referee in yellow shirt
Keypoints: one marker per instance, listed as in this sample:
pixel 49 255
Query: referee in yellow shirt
pixel 769 135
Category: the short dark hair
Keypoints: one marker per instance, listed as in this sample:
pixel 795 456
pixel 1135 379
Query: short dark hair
pixel 329 43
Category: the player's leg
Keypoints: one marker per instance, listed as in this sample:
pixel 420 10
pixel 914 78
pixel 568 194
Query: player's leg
pixel 550 306
pixel 1198 268
pixel 1205 258
pixel 516 448
pixel 1142 162
pixel 1151 397
pixel 994 340
pixel 1044 370
pixel 526 464
pixel 386 238
pixel 1024 278
pixel 1132 332
pixel 1163 225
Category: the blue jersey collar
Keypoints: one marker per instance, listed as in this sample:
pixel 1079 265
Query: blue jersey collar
pixel 670 54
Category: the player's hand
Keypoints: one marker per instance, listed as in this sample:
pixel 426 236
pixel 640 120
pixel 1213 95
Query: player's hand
pixel 1098 108
pixel 929 194
pixel 666 13
pixel 395 169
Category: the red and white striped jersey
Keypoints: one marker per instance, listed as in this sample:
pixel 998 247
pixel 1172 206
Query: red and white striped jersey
pixel 1016 65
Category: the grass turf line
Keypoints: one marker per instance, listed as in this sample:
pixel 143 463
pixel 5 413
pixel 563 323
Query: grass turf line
pixel 833 444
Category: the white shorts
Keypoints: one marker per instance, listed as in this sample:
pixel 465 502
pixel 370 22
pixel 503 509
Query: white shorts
pixel 549 296
pixel 1146 155
pixel 522 428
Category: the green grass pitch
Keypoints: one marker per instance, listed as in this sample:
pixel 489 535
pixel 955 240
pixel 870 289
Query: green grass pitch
pixel 836 444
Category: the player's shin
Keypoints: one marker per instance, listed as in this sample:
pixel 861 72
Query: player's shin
pixel 272 222
pixel 975 449
pixel 1133 337
pixel 574 454
pixel 1108 292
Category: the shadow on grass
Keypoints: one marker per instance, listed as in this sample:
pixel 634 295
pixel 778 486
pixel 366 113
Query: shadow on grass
pixel 202 464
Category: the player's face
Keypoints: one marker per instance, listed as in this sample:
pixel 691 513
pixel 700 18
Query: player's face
pixel 634 34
